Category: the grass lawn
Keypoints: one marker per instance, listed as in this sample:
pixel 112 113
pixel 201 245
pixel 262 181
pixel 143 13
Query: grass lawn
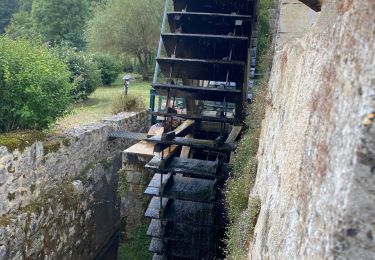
pixel 99 104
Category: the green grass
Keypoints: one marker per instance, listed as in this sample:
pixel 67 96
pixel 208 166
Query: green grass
pixel 136 245
pixel 99 104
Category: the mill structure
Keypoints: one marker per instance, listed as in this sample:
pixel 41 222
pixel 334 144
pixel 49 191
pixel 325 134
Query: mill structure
pixel 206 58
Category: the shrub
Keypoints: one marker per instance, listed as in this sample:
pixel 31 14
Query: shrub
pixel 34 85
pixel 109 68
pixel 127 103
pixel 85 73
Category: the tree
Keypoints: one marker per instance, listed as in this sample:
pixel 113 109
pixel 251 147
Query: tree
pixel 7 8
pixel 61 20
pixel 21 26
pixel 127 27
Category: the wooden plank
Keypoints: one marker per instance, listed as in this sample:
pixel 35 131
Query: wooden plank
pixel 224 6
pixel 194 143
pixel 181 232
pixel 200 93
pixel 236 130
pixel 184 128
pixel 214 70
pixel 153 210
pixel 196 117
pixel 185 151
pixel 184 188
pixel 209 23
pixel 204 46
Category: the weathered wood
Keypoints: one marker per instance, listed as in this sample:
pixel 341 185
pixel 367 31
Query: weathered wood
pixel 214 70
pixel 194 143
pixel 236 130
pixel 193 167
pixel 204 46
pixel 199 93
pixel 214 6
pixel 230 120
pixel 181 232
pixel 185 151
pixel 209 23
pixel 180 249
pixel 183 188
pixel 154 210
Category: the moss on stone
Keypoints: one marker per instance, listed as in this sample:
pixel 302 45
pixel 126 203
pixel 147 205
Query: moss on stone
pixel 6 220
pixel 32 188
pixel 106 163
pixel 20 140
pixel 123 185
pixel 11 168
pixel 51 146
pixel 11 196
pixel 86 170
pixel 66 142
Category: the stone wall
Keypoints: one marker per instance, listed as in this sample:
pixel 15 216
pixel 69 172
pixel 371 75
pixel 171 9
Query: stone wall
pixel 134 179
pixel 59 197
pixel 316 157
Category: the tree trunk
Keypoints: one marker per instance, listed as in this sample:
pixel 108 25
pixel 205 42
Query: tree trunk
pixel 144 66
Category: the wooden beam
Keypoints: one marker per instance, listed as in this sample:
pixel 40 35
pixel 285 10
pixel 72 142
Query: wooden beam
pixel 236 130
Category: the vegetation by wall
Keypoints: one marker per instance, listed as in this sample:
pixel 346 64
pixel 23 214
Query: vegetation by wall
pixel 242 210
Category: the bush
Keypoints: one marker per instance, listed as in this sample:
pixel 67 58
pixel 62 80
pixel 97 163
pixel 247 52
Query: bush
pixel 34 85
pixel 127 103
pixel 85 73
pixel 109 68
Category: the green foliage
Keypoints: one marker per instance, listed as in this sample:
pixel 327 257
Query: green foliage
pixel 136 245
pixel 265 35
pixel 21 26
pixel 25 5
pixel 109 67
pixel 7 8
pixel 127 27
pixel 61 20
pixel 85 73
pixel 123 185
pixel 34 85
pixel 127 103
